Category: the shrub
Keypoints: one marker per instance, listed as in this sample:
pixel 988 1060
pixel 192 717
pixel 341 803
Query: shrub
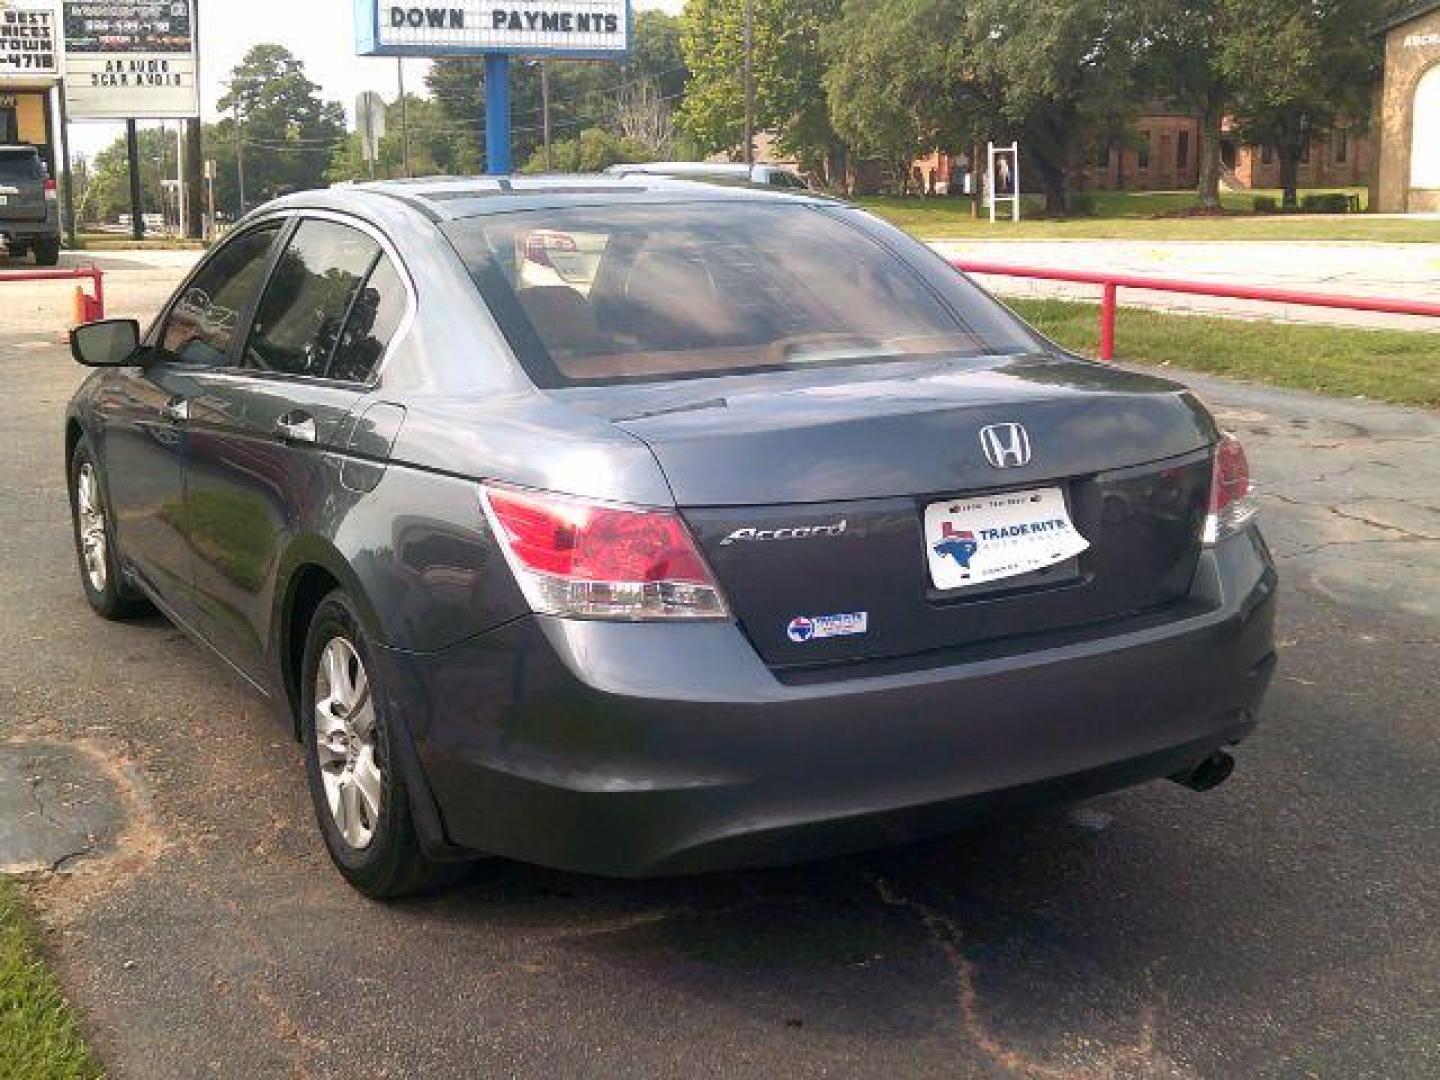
pixel 1328 203
pixel 1080 205
pixel 1265 204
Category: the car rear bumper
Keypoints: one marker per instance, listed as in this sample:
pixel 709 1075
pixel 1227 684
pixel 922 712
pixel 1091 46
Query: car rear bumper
pixel 29 231
pixel 634 749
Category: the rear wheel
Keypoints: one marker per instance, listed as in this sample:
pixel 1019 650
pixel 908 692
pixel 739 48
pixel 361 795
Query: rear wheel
pixel 47 252
pixel 17 251
pixel 361 801
pixel 105 586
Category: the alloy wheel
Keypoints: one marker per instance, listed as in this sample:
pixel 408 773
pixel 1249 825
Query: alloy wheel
pixel 91 513
pixel 347 738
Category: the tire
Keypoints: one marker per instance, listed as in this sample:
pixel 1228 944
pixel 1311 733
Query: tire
pixel 17 251
pixel 101 576
pixel 47 252
pixel 361 801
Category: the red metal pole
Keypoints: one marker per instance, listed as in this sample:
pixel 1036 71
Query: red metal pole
pixel 1107 323
pixel 98 276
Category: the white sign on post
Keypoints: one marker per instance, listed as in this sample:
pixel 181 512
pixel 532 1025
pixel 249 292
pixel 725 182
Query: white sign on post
pixel 129 59
pixel 29 39
pixel 1002 180
pixel 578 28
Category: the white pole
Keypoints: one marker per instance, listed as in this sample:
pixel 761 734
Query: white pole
pixel 990 178
pixel 1015 178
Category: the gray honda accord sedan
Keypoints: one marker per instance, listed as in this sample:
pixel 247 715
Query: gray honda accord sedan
pixel 636 526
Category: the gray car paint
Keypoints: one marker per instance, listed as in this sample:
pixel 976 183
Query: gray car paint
pixel 386 504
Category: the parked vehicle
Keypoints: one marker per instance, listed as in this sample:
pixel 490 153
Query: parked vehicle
pixel 29 218
pixel 755 533
pixel 713 172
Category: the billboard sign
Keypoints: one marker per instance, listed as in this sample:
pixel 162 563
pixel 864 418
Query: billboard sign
pixel 29 39
pixel 576 28
pixel 129 59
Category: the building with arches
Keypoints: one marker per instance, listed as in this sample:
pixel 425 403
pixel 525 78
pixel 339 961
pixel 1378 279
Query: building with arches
pixel 1408 177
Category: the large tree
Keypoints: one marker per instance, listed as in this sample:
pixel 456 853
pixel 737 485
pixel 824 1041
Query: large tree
pixel 894 80
pixel 437 146
pixel 1296 69
pixel 787 65
pixel 288 131
pixel 106 192
pixel 1054 73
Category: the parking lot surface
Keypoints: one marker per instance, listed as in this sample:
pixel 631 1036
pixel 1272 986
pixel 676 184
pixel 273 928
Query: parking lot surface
pixel 1282 925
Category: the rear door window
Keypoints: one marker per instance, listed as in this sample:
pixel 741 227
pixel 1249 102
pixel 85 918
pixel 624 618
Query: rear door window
pixel 202 325
pixel 375 316
pixel 23 167
pixel 308 299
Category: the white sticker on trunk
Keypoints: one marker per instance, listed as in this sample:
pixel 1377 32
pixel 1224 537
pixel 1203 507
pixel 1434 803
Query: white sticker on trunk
pixel 805 628
pixel 986 538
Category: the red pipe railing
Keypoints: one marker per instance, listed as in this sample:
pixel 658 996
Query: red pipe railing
pixel 91 307
pixel 1111 283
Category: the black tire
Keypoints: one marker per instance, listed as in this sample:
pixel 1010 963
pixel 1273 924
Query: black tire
pixel 47 252
pixel 391 864
pixel 114 598
pixel 17 251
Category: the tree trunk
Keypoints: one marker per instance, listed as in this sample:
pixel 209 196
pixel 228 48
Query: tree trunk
pixel 1289 176
pixel 1052 181
pixel 1208 187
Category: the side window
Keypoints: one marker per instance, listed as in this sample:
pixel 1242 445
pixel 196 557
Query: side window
pixel 374 318
pixel 202 323
pixel 302 312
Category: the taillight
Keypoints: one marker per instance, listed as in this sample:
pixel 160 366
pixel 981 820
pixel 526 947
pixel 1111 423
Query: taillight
pixel 1232 496
pixel 49 186
pixel 583 559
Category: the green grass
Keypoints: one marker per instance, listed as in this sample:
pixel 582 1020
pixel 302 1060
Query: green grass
pixel 39 1039
pixel 1121 215
pixel 230 529
pixel 1389 365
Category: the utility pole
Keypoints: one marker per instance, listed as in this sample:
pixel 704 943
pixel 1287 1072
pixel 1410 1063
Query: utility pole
pixel 137 212
pixel 193 227
pixel 749 82
pixel 239 153
pixel 545 112
pixel 404 115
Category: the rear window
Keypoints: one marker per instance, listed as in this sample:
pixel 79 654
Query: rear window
pixel 661 292
pixel 25 167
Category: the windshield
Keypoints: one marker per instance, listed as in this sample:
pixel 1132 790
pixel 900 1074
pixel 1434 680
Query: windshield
pixel 671 291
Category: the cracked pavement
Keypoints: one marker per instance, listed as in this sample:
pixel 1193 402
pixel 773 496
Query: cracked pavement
pixel 1282 925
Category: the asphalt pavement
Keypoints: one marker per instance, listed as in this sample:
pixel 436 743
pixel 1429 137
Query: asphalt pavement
pixel 1285 924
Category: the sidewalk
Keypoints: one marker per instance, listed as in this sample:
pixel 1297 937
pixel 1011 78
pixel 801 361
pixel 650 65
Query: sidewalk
pixel 1404 271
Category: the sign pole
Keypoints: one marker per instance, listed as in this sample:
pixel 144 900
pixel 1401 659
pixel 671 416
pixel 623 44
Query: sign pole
pixel 497 114
pixel 67 179
pixel 137 211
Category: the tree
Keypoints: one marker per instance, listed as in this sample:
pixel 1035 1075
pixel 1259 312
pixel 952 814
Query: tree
pixel 1296 69
pixel 1052 73
pixel 594 150
pixel 788 68
pixel 893 83
pixel 289 132
pixel 106 193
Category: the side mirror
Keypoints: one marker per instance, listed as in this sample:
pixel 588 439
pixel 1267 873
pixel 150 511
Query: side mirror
pixel 109 343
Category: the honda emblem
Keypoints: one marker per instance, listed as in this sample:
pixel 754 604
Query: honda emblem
pixel 1007 446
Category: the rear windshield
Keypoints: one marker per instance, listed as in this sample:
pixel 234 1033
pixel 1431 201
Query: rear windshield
pixel 20 166
pixel 672 291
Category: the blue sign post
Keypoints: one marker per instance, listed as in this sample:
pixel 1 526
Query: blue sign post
pixel 496 30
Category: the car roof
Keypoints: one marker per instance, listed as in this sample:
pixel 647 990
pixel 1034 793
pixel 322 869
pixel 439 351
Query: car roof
pixel 19 148
pixel 449 198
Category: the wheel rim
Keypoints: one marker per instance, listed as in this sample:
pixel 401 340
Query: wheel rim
pixel 91 513
pixel 346 740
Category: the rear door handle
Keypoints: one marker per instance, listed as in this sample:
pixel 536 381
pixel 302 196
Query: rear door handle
pixel 296 427
pixel 176 410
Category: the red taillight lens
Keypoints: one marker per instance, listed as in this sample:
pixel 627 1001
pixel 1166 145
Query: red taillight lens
pixel 588 559
pixel 1232 496
pixel 49 186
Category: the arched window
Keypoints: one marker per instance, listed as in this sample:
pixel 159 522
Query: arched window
pixel 1425 134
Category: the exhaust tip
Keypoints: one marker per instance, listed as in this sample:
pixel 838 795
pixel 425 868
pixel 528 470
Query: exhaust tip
pixel 1210 773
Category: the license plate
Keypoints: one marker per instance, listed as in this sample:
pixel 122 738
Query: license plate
pixel 4 200
pixel 982 538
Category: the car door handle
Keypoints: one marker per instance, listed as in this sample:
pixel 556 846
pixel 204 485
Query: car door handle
pixel 176 411
pixel 296 427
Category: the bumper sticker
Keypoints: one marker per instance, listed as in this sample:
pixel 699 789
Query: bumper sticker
pixel 805 628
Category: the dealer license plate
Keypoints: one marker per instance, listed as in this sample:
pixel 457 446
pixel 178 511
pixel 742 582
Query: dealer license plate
pixel 982 538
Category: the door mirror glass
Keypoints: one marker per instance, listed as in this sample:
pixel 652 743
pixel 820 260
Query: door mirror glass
pixel 111 343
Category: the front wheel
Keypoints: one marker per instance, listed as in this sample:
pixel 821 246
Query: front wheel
pixel 105 587
pixel 361 801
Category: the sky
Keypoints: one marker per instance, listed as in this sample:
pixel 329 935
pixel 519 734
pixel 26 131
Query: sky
pixel 324 38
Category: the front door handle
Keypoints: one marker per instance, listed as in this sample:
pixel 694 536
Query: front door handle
pixel 176 410
pixel 296 427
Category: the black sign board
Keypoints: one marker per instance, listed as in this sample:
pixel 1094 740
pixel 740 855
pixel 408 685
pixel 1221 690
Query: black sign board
pixel 102 26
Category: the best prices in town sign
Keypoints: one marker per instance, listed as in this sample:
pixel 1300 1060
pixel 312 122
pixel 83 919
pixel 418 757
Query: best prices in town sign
pixel 129 59
pixel 29 42
pixel 575 28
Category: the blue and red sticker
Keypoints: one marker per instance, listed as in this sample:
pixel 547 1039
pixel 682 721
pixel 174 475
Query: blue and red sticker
pixel 805 628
